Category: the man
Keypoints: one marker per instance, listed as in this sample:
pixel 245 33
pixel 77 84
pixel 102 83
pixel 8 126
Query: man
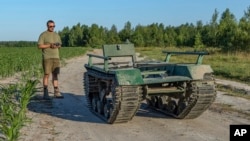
pixel 50 42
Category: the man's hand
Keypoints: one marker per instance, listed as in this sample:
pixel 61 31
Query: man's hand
pixel 55 45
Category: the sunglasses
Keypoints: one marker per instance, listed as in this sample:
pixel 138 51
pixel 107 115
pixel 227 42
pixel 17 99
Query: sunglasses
pixel 52 26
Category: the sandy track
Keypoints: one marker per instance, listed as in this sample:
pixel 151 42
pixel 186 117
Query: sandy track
pixel 69 119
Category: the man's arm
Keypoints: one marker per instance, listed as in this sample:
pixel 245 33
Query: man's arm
pixel 43 46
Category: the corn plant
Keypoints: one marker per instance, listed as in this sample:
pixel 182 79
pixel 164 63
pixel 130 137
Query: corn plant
pixel 13 106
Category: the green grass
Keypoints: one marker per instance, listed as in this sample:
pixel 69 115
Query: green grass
pixel 226 66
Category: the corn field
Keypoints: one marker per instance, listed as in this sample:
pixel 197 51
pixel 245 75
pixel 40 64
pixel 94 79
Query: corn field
pixel 18 59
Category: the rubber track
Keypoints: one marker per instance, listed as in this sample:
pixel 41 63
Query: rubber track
pixel 127 99
pixel 199 101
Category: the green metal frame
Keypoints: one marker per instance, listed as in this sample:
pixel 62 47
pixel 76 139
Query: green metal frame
pixel 114 50
pixel 90 63
pixel 199 58
pixel 120 50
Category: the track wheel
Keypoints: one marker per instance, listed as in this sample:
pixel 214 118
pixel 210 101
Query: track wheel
pixel 181 106
pixel 149 102
pixel 100 107
pixel 108 109
pixel 94 104
pixel 154 101
pixel 172 106
pixel 162 102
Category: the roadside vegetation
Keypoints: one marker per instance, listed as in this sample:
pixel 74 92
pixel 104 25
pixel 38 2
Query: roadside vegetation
pixel 15 97
pixel 13 106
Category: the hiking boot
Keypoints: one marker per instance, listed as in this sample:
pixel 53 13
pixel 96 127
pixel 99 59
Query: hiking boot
pixel 46 95
pixel 57 94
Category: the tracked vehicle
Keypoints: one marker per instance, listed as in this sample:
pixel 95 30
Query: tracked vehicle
pixel 116 84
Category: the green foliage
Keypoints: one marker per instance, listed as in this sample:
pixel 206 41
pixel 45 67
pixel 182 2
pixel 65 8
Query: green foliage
pixel 113 36
pixel 198 45
pixel 126 32
pixel 17 43
pixel 14 100
pixel 226 33
pixel 231 66
pixel 243 33
pixel 13 59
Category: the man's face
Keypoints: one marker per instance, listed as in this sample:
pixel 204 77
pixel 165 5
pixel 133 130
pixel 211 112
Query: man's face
pixel 51 27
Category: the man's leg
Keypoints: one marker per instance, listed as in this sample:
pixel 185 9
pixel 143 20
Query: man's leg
pixel 57 93
pixel 47 70
pixel 55 80
pixel 55 73
pixel 45 87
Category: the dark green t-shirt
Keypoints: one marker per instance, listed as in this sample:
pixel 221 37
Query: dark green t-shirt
pixel 48 38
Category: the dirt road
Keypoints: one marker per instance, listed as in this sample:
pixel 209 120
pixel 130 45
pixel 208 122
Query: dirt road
pixel 69 119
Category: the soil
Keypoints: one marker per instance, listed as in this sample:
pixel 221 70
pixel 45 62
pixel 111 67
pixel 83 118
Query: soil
pixel 69 118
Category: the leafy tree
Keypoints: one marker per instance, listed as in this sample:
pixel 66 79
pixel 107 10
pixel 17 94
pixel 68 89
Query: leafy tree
pixel 185 35
pixel 170 36
pixel 126 32
pixel 160 35
pixel 64 34
pixel 95 36
pixel 198 45
pixel 154 35
pixel 76 36
pixel 212 31
pixel 112 36
pixel 243 33
pixel 227 31
pixel 85 36
pixel 137 37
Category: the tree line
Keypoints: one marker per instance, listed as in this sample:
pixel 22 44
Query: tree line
pixel 18 43
pixel 226 33
pixel 223 32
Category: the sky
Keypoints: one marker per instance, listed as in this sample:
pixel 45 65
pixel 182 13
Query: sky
pixel 24 20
